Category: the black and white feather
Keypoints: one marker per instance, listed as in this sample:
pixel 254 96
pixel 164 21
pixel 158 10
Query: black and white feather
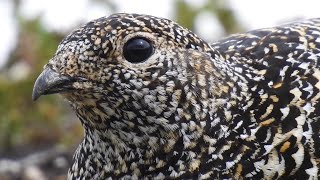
pixel 158 102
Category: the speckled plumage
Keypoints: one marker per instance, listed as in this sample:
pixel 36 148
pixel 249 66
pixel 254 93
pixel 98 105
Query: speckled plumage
pixel 244 107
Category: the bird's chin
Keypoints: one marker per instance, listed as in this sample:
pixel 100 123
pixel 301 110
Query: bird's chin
pixel 76 96
pixel 67 95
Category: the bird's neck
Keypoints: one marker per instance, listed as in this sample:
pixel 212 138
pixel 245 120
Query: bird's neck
pixel 117 152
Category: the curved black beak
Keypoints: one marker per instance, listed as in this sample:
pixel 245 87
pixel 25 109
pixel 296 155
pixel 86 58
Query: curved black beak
pixel 50 82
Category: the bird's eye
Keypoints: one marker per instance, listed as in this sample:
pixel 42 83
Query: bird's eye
pixel 137 50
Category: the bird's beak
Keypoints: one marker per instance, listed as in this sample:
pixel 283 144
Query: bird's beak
pixel 50 82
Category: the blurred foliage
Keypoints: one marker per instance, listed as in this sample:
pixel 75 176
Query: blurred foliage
pixel 24 123
pixel 186 13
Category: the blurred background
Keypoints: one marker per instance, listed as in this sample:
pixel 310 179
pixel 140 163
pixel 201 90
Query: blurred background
pixel 37 139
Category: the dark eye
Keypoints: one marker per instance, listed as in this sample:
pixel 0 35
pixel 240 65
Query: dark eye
pixel 137 50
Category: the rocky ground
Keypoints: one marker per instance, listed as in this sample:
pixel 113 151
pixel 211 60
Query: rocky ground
pixel 50 163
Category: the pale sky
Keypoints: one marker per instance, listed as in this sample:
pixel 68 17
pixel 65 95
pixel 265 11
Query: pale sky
pixel 64 15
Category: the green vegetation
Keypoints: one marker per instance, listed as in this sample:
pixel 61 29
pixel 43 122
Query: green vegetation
pixel 22 121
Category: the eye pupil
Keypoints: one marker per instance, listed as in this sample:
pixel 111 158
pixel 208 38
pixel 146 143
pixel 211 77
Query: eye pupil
pixel 137 50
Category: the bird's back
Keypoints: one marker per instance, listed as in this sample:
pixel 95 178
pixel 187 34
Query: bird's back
pixel 282 68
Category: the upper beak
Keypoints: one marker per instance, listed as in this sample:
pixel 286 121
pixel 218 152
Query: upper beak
pixel 50 82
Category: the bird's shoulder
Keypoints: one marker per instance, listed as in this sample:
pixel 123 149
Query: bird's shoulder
pixel 281 65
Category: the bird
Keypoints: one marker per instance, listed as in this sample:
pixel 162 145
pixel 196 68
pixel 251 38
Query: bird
pixel 158 102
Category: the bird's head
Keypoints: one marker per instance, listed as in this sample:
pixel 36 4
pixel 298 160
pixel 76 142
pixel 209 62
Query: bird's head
pixel 127 66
